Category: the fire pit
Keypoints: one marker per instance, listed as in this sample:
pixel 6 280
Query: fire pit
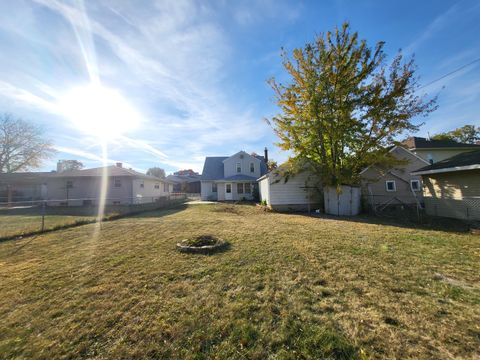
pixel 203 244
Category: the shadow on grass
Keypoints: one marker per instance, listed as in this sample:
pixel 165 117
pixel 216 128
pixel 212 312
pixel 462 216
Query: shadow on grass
pixel 138 214
pixel 425 223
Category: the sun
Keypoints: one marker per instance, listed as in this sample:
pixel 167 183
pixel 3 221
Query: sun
pixel 99 111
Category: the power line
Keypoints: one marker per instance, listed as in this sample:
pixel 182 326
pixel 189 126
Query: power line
pixel 450 73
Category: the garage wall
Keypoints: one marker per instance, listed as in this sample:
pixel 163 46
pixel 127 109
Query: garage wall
pixel 295 194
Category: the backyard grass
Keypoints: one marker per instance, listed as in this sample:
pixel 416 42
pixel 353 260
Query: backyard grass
pixel 289 286
pixel 17 225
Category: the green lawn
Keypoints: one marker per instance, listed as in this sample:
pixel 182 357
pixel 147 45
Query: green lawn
pixel 11 225
pixel 290 286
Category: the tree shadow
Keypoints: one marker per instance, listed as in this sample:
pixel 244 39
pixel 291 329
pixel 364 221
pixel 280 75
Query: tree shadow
pixel 425 223
pixel 159 212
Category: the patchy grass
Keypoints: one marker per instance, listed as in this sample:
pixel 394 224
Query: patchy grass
pixel 290 286
pixel 17 225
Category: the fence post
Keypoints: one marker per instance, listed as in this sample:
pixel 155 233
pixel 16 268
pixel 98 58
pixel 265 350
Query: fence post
pixel 43 216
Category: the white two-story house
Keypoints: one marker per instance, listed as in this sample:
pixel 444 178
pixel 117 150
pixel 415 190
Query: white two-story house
pixel 226 178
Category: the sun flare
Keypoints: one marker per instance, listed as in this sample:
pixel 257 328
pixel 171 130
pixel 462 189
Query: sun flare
pixel 99 111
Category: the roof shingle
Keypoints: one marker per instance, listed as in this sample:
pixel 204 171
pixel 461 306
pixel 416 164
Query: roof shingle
pixel 470 158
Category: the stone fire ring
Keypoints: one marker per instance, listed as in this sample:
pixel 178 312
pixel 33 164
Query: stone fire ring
pixel 206 249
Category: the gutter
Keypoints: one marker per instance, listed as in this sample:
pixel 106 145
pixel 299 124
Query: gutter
pixel 446 170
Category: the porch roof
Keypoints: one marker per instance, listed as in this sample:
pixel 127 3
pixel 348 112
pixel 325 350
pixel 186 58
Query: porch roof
pixel 238 178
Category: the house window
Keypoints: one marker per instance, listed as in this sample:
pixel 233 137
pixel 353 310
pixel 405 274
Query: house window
pixel 69 184
pixel 165 187
pixel 87 203
pixel 142 184
pixel 252 167
pixel 116 203
pixel 240 188
pixel 248 189
pixel 239 167
pixel 117 182
pixel 415 185
pixel 214 187
pixel 156 186
pixel 390 185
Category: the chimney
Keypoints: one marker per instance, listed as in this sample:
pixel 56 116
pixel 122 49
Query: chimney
pixel 119 164
pixel 266 155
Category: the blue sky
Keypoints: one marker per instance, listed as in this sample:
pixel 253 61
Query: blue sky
pixel 195 71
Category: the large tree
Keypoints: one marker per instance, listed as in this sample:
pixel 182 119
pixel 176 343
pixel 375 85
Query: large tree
pixel 468 134
pixel 343 104
pixel 22 145
pixel 156 171
pixel 68 165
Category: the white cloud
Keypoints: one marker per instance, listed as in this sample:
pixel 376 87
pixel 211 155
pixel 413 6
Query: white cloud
pixel 171 59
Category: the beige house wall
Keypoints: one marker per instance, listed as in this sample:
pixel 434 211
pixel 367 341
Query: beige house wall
pixel 374 187
pixel 454 194
pixel 438 154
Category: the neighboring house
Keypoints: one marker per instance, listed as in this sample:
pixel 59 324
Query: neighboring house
pixel 188 183
pixel 233 177
pixel 82 187
pixel 124 186
pixel 395 186
pixel 436 150
pixel 451 187
pixel 23 186
pixel 295 193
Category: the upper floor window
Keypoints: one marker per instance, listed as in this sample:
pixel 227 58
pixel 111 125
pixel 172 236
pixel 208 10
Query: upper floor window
pixel 252 167
pixel 214 187
pixel 117 182
pixel 156 186
pixel 69 184
pixel 415 185
pixel 239 167
pixel 142 184
pixel 390 185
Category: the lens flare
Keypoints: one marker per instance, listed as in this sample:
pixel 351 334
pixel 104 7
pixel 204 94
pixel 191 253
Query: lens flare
pixel 99 111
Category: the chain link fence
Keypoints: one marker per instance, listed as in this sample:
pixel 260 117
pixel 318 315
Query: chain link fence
pixel 27 217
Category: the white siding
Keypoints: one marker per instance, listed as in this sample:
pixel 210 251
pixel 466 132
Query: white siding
pixel 230 165
pixel 148 192
pixel 298 192
pixel 206 191
pixel 88 188
pixel 264 188
pixel 291 192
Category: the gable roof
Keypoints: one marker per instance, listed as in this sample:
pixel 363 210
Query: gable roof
pixel 415 142
pixel 213 168
pixel 38 176
pixel 392 150
pixel 461 162
pixel 24 177
pixel 111 171
pixel 183 178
